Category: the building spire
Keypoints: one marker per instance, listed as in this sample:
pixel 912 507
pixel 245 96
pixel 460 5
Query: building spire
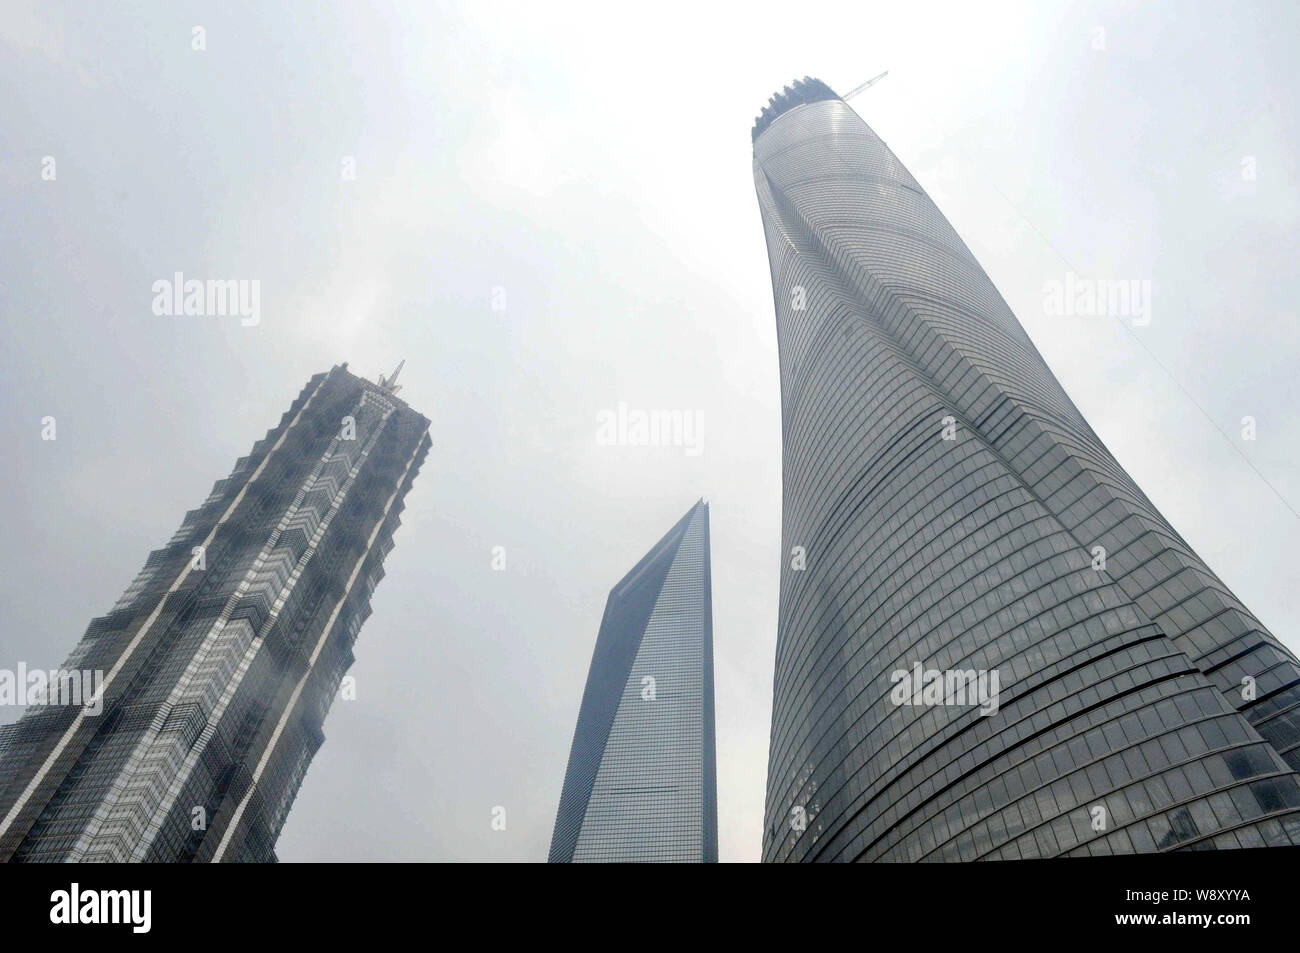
pixel 389 383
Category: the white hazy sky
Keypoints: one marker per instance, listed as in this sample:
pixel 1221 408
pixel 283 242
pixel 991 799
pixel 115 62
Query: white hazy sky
pixel 594 162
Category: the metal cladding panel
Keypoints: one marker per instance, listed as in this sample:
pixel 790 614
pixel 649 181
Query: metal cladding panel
pixel 948 499
pixel 640 784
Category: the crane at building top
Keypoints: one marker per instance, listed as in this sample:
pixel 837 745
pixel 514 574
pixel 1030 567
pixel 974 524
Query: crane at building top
pixel 871 82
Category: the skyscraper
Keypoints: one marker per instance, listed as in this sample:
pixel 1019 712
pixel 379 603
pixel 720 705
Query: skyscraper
pixel 222 658
pixel 951 519
pixel 641 783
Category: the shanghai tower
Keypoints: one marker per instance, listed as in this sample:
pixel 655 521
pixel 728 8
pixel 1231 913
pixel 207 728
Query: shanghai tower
pixel 220 661
pixel 949 518
pixel 641 784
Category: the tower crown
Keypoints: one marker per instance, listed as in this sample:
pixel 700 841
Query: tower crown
pixel 806 90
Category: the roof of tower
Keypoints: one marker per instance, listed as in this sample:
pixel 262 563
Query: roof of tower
pixel 806 90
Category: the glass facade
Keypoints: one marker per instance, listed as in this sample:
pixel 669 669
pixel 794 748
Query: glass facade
pixel 223 656
pixel 641 784
pixel 947 508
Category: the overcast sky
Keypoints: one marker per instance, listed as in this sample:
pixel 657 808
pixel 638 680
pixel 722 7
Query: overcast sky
pixel 594 164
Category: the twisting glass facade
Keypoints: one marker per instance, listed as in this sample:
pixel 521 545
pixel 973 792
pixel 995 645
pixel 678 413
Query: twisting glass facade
pixel 641 783
pixel 222 658
pixel 948 510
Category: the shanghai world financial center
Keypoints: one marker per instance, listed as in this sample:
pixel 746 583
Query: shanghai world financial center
pixel 949 520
